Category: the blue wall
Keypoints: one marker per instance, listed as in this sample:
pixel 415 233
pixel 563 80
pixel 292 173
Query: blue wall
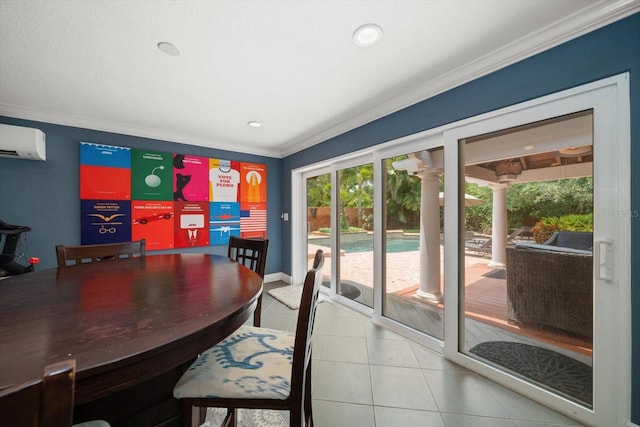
pixel 608 51
pixel 45 195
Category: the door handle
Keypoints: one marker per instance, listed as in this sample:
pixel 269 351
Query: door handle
pixel 604 260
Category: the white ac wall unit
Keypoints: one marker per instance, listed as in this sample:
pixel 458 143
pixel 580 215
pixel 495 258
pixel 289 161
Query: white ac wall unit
pixel 22 143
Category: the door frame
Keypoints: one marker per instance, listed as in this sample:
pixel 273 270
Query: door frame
pixel 609 100
pixel 299 217
pixel 610 96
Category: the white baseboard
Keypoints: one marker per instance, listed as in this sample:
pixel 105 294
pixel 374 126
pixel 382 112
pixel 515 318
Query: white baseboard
pixel 274 277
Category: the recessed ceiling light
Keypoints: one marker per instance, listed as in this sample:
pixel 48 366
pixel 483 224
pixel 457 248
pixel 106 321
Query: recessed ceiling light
pixel 169 48
pixel 254 124
pixel 367 35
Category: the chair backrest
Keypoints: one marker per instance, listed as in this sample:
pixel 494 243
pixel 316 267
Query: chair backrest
pixel 304 328
pixel 517 232
pixel 47 402
pixel 252 253
pixel 69 256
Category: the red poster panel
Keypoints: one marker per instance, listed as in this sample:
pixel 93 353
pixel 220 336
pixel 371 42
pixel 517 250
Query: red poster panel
pixel 253 220
pixel 153 221
pixel 105 172
pixel 99 182
pixel 191 226
pixel 253 183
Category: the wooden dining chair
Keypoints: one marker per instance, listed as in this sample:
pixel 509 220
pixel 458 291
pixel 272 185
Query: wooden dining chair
pixel 257 368
pixel 252 253
pixel 69 256
pixel 46 402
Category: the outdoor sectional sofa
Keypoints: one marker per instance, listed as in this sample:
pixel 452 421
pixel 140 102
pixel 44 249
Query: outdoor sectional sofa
pixel 550 285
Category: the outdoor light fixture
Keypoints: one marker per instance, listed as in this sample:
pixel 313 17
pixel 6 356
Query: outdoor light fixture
pixel 367 35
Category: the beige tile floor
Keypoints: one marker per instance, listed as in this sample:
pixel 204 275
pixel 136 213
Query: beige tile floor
pixel 365 375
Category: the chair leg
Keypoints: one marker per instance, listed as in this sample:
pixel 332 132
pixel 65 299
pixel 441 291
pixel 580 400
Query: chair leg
pixel 295 417
pixel 308 409
pixel 231 420
pixel 257 312
pixel 190 414
pixel 202 415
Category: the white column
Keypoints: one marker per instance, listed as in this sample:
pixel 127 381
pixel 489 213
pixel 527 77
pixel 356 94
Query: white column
pixel 429 236
pixel 499 226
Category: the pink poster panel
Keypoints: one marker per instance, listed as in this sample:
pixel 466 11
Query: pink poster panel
pixel 190 178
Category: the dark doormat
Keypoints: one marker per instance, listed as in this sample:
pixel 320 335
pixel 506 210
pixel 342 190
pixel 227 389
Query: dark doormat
pixel 498 273
pixel 348 290
pixel 546 367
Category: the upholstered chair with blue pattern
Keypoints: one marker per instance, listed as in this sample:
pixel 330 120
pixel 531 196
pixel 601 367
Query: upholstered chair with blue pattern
pixel 257 368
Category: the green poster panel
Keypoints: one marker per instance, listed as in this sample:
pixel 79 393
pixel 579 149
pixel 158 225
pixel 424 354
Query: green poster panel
pixel 151 175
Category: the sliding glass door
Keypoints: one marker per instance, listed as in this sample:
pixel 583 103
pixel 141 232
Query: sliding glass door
pixel 355 233
pixel 527 293
pixel 413 241
pixel 319 214
pixel 501 241
pixel 538 284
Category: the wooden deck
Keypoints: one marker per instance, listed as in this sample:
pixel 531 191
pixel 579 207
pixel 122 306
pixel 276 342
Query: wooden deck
pixel 486 302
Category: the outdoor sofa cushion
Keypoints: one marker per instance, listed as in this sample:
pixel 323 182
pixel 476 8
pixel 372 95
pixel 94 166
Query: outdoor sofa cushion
pixel 572 239
pixel 545 247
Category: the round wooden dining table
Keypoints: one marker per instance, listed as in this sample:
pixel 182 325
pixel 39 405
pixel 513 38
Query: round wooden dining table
pixel 132 325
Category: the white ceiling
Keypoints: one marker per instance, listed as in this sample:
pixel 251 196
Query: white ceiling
pixel 291 65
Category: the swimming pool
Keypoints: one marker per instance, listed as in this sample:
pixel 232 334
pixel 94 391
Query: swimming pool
pixel 360 242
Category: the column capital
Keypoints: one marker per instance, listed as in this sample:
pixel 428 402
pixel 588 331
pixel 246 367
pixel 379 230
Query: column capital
pixel 426 172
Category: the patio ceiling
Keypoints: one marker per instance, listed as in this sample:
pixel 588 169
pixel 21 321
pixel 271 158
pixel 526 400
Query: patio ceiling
pixel 552 149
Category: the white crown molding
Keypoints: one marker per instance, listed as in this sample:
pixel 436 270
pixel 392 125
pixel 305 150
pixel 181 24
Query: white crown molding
pixel 104 126
pixel 583 22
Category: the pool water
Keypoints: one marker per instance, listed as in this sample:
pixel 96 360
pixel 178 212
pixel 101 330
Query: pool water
pixel 352 243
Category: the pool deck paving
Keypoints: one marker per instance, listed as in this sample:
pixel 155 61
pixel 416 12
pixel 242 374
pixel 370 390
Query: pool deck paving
pixel 485 297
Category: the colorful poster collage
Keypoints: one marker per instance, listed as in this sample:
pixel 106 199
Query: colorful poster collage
pixel 171 200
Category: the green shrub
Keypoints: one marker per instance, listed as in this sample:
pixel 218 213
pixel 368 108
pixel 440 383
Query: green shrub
pixel 545 228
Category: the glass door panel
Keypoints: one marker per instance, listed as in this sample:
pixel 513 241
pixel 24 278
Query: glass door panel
pixel 413 241
pixel 527 282
pixel 319 207
pixel 355 237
